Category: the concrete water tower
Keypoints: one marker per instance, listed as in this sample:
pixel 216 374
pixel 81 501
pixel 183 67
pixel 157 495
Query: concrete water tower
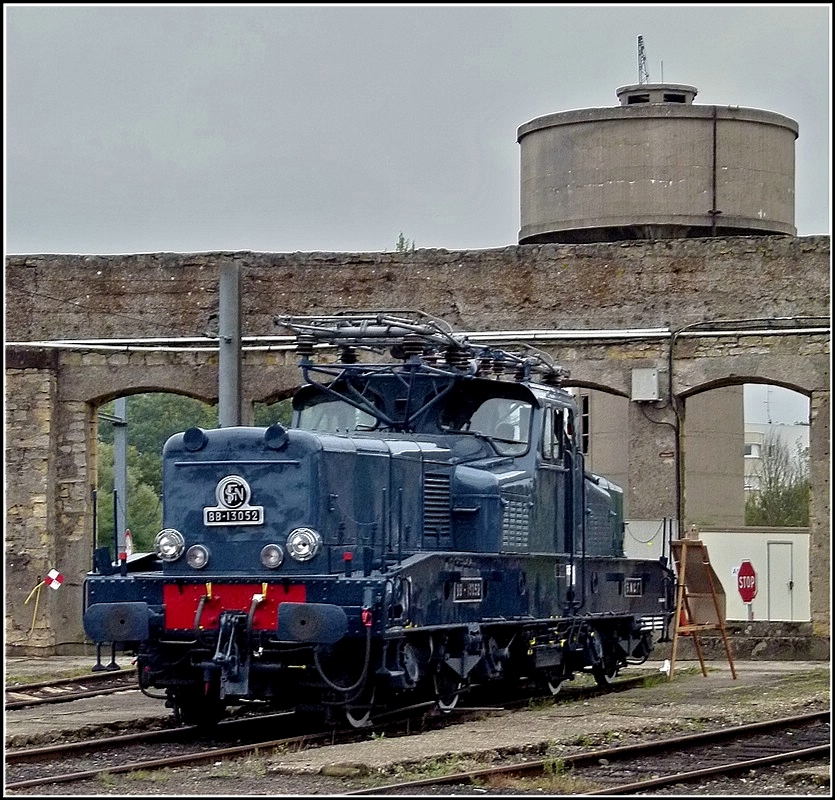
pixel 656 167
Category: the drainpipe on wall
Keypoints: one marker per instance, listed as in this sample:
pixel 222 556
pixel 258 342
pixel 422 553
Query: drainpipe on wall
pixel 713 210
pixel 677 432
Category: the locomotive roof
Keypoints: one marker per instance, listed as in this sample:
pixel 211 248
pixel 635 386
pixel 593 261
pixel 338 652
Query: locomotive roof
pixel 414 337
pixel 429 367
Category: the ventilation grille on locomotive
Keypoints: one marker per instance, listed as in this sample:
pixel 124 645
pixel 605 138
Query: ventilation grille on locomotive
pixel 436 508
pixel 516 524
pixel 601 531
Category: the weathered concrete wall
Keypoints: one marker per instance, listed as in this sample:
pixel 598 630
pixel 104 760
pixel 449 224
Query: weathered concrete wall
pixel 51 398
pixel 618 285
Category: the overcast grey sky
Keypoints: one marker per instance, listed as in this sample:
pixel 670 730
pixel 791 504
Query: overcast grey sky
pixel 336 127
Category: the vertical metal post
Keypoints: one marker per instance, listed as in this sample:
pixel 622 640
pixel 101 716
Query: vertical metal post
pixel 120 472
pixel 229 334
pixel 115 529
pixel 95 495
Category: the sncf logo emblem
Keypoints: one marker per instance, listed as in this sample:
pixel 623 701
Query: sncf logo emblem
pixel 233 492
pixel 233 508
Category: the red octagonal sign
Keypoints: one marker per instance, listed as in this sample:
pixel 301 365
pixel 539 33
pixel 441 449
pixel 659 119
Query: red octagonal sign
pixel 746 582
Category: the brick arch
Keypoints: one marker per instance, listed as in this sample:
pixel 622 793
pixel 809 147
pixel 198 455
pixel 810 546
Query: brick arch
pixel 100 400
pixel 797 362
pixel 596 387
pixel 737 380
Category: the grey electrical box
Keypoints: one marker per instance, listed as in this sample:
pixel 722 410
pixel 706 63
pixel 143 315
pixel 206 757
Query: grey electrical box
pixel 645 384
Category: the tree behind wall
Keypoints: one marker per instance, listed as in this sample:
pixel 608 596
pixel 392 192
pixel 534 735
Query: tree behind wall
pixel 403 244
pixel 144 509
pixel 783 496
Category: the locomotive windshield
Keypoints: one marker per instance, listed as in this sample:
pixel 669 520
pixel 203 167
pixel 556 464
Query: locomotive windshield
pixel 331 415
pixel 506 422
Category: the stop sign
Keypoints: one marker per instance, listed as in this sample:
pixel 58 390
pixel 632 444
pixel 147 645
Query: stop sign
pixel 746 582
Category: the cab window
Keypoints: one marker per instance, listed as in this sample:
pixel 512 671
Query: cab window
pixel 552 440
pixel 507 423
pixel 557 433
pixel 333 416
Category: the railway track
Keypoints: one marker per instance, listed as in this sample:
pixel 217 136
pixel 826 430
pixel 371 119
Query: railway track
pixel 64 690
pixel 186 746
pixel 74 762
pixel 638 768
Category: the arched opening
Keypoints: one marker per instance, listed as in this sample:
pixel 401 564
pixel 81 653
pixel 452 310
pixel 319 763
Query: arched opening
pixel 746 456
pixel 747 493
pixel 131 432
pixel 606 425
pixel 603 419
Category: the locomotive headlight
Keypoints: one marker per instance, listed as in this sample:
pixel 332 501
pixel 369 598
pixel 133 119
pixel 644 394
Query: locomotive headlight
pixel 169 544
pixel 197 556
pixel 303 544
pixel 272 556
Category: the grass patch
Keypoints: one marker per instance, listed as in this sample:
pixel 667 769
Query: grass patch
pixel 13 680
pixel 540 703
pixel 433 768
pixel 235 767
pixel 106 779
pixel 556 779
pixel 655 679
pixel 585 740
pixel 152 776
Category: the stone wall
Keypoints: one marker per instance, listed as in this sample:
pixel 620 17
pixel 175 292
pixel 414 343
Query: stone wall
pixel 674 283
pixel 52 394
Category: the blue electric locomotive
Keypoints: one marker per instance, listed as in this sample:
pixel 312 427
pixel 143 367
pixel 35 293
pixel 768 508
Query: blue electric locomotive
pixel 424 525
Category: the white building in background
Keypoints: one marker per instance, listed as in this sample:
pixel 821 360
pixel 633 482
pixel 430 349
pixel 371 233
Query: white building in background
pixel 795 437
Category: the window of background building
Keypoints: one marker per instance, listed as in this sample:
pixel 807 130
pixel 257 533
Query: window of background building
pixel 585 423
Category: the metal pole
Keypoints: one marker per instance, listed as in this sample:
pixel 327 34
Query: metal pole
pixel 120 472
pixel 229 321
pixel 115 529
pixel 95 525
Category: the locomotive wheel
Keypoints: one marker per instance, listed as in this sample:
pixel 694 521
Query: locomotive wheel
pixel 447 690
pixel 605 672
pixel 550 682
pixel 359 715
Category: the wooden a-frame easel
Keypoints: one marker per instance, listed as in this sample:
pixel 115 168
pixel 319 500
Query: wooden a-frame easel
pixel 700 605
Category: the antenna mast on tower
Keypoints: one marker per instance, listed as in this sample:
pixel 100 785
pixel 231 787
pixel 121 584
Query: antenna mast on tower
pixel 643 72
